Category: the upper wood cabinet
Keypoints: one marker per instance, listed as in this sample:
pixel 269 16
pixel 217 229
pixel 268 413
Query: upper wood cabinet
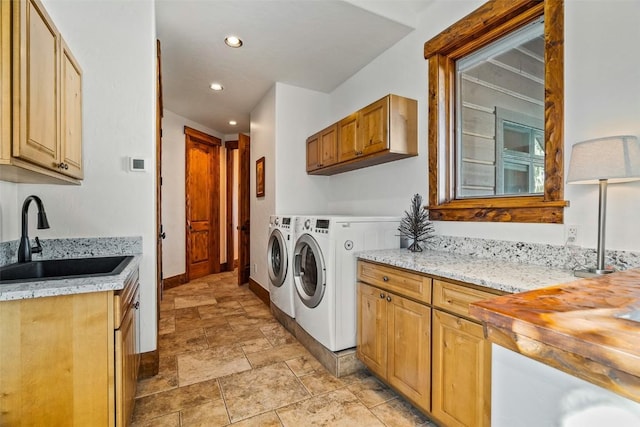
pixel 44 108
pixel 384 131
pixel 322 148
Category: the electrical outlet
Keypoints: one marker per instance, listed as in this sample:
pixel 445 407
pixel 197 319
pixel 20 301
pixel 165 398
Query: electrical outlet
pixel 571 235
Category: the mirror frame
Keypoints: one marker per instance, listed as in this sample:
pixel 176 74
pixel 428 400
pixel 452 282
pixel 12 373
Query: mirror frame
pixel 484 25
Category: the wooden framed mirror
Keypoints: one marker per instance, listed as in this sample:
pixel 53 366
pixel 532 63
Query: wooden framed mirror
pixel 496 87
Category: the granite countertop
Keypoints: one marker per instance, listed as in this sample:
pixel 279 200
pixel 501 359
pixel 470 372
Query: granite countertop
pixel 502 275
pixel 575 327
pixel 550 316
pixel 48 288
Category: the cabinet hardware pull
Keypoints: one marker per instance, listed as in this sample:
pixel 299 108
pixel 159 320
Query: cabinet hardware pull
pixel 382 295
pixel 136 305
pixel 389 299
pixel 385 278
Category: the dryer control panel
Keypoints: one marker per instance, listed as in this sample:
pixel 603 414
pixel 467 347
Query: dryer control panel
pixel 322 226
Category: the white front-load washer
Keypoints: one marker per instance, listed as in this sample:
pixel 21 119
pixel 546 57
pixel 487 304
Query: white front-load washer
pixel 279 260
pixel 324 272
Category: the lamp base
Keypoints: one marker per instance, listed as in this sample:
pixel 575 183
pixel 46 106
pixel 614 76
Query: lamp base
pixel 591 272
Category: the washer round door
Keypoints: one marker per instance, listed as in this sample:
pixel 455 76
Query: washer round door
pixel 309 272
pixel 277 258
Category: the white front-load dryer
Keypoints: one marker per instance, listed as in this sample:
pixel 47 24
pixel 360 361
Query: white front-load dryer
pixel 279 260
pixel 324 272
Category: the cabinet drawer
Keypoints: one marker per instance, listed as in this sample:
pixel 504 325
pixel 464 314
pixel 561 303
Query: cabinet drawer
pixel 456 298
pixel 404 283
pixel 124 298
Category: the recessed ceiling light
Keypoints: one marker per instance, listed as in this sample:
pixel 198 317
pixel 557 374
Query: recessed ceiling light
pixel 233 122
pixel 216 86
pixel 233 41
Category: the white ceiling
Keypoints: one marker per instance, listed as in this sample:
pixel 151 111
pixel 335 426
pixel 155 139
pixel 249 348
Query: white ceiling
pixel 315 44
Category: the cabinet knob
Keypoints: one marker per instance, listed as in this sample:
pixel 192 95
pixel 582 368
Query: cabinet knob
pixel 385 278
pixel 389 299
pixel 136 305
pixel 381 295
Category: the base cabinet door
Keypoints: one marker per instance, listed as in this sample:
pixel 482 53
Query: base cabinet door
pixel 461 372
pixel 394 341
pixel 409 358
pixel 127 359
pixel 372 328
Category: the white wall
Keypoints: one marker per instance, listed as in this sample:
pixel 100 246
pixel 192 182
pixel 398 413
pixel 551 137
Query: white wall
pixel 263 143
pixel 9 212
pixel 173 191
pixel 114 43
pixel 299 113
pixel 600 99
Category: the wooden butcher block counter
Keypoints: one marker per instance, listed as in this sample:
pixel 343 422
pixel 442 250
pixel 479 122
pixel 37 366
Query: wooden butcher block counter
pixel 589 328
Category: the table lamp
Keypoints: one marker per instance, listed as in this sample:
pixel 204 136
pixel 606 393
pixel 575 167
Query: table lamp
pixel 603 161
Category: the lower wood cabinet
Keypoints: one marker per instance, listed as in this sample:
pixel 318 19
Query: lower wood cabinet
pixel 127 353
pixel 69 359
pixel 425 347
pixel 394 335
pixel 461 372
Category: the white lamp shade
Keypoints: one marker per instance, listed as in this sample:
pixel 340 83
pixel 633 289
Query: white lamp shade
pixel 615 158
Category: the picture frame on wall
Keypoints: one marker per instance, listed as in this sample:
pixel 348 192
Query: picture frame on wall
pixel 260 177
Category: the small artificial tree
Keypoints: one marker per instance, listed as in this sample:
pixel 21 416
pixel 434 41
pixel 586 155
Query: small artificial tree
pixel 416 225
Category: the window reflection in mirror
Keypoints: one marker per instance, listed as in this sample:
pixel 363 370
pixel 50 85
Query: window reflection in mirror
pixel 500 108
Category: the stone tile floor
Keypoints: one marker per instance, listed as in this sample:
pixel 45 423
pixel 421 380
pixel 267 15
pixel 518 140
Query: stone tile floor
pixel 225 360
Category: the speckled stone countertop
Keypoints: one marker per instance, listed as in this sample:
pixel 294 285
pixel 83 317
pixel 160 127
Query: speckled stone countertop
pixel 80 285
pixel 584 328
pixel 507 276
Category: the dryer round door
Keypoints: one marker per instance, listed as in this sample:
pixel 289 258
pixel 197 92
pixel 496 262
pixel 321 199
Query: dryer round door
pixel 309 272
pixel 277 258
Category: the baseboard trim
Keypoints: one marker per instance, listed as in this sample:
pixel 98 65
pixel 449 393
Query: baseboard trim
pixel 149 364
pixel 260 292
pixel 172 282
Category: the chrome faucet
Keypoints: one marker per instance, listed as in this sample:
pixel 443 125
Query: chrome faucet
pixel 25 249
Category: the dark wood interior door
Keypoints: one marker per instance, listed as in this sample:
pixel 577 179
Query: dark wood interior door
pixel 244 266
pixel 232 198
pixel 202 203
pixel 154 365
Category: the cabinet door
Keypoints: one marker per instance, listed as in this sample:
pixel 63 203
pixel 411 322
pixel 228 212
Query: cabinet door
pixel 313 152
pixel 409 358
pixel 374 127
pixel 461 372
pixel 39 75
pixel 71 115
pixel 5 81
pixel 348 138
pixel 372 328
pixel 329 146
pixel 127 362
